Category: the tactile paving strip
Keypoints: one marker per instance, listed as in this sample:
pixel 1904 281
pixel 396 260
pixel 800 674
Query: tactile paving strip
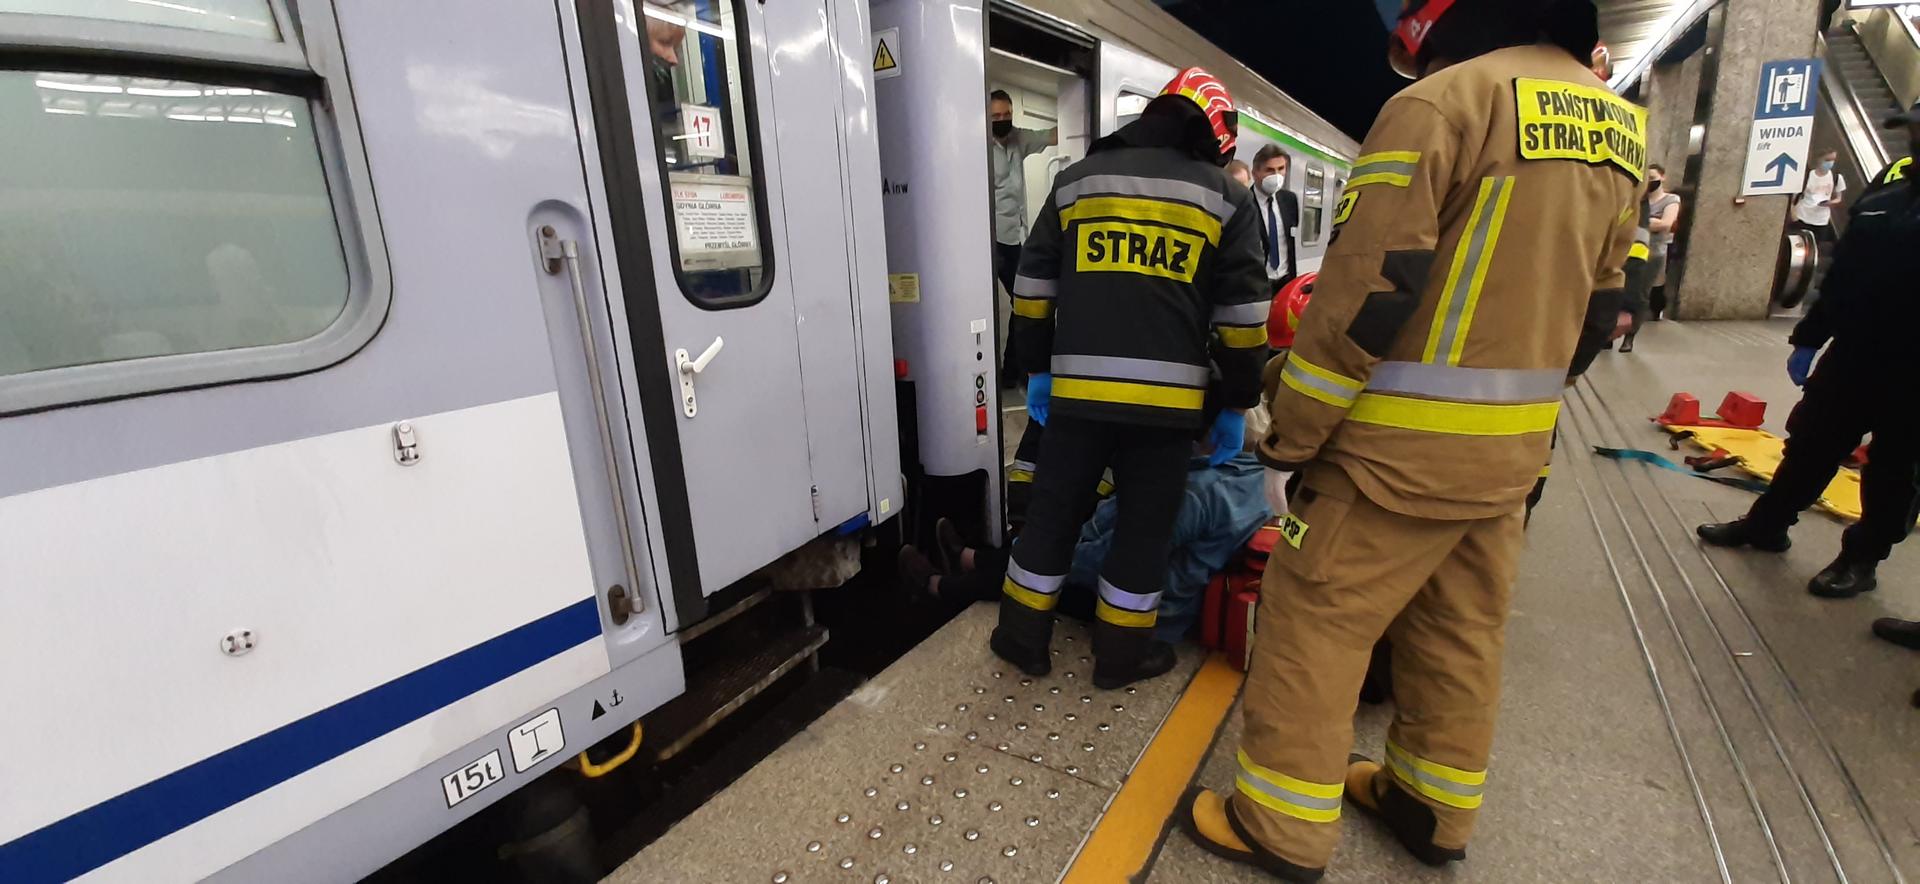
pixel 900 783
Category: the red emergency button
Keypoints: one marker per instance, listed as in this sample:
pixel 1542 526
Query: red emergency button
pixel 980 420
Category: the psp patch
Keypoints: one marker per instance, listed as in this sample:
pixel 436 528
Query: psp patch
pixel 1293 530
pixel 1568 121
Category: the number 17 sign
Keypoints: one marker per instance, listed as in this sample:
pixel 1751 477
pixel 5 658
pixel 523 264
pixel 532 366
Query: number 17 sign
pixel 703 136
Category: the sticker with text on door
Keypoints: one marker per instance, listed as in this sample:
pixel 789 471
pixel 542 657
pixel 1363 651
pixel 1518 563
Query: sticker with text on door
pixel 470 779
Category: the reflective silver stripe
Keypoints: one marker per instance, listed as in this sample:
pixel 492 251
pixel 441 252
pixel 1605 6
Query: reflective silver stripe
pixel 1336 390
pixel 1468 384
pixel 1130 601
pixel 1476 253
pixel 1288 795
pixel 1403 765
pixel 1034 287
pixel 1156 188
pixel 1121 368
pixel 1383 167
pixel 1242 314
pixel 1035 582
pixel 1023 465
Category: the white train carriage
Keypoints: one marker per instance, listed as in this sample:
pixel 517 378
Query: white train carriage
pixel 383 384
pixel 386 388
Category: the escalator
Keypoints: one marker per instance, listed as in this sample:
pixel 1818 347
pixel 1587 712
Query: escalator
pixel 1872 59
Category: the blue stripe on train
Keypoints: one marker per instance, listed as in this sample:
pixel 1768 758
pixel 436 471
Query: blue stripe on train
pixel 131 820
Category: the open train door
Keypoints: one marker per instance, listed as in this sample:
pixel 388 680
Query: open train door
pixel 930 82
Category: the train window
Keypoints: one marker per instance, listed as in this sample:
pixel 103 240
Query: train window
pixel 155 218
pixel 705 127
pixel 1313 203
pixel 244 18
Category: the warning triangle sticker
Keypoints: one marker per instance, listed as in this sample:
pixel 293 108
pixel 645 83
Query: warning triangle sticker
pixel 882 58
pixel 598 710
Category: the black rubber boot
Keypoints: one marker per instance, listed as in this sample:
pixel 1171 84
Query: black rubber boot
pixel 1123 655
pixel 1023 638
pixel 1410 821
pixel 1905 633
pixel 1742 532
pixel 1844 579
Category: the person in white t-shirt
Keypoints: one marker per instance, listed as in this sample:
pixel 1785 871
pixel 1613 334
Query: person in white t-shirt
pixel 1813 211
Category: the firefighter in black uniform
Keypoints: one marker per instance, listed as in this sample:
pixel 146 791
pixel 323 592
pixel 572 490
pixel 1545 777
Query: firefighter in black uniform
pixel 1867 312
pixel 1141 280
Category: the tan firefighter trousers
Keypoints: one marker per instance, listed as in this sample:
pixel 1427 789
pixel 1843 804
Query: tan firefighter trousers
pixel 1438 589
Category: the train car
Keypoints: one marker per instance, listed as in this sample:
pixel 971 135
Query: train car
pixel 390 392
pixel 1082 68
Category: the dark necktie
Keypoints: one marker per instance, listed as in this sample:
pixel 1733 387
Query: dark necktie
pixel 1273 232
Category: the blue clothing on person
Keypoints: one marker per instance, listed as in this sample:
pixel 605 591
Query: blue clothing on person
pixel 1223 507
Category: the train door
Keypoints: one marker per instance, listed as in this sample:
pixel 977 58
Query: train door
pixel 752 364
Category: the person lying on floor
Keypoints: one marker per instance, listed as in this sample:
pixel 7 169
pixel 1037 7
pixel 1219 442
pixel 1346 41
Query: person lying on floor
pixel 1223 506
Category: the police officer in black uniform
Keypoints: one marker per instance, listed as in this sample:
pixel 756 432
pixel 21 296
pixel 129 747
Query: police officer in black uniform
pixel 1865 318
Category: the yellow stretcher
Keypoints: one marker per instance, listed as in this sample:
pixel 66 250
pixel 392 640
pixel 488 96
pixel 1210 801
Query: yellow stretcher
pixel 1760 451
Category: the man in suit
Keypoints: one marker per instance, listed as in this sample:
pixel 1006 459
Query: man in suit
pixel 1279 213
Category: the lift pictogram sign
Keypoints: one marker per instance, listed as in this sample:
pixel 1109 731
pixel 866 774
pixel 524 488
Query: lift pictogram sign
pixel 886 58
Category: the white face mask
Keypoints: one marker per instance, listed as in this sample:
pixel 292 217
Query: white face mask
pixel 1271 184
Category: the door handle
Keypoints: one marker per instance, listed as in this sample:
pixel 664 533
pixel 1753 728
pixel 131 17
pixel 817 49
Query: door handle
pixel 689 367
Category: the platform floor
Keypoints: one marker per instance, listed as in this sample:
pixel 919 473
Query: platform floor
pixel 1777 745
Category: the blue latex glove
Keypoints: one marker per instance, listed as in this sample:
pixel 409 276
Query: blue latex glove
pixel 1800 364
pixel 1039 396
pixel 1229 435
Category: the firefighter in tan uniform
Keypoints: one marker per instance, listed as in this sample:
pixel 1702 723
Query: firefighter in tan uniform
pixel 1478 249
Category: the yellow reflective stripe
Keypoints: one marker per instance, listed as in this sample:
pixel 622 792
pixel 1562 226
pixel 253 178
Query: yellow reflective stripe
pixel 1545 471
pixel 1241 337
pixel 1128 394
pixel 1897 171
pixel 1018 476
pixel 1638 250
pixel 1397 180
pixel 1479 282
pixel 1471 257
pixel 1448 785
pixel 1105 487
pixel 1132 208
pixel 1123 617
pixel 1388 156
pixel 1457 418
pixel 1025 596
pixel 1313 802
pixel 1318 383
pixel 1032 308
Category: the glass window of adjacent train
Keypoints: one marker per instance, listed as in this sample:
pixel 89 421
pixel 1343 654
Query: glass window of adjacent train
pixel 186 204
pixel 1314 202
pixel 704 126
pixel 244 18
pixel 159 217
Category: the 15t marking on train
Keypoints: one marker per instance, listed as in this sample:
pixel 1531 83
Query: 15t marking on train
pixel 468 781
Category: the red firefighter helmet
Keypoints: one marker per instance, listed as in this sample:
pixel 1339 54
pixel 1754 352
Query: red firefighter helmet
pixel 1284 319
pixel 1417 18
pixel 1202 89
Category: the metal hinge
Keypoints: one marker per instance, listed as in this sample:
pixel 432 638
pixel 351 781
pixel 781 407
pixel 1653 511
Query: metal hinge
pixel 406 444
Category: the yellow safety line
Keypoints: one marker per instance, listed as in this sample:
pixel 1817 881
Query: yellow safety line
pixel 1125 836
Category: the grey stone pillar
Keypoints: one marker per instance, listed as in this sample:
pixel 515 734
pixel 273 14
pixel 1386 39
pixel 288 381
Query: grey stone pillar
pixel 1731 249
pixel 1670 94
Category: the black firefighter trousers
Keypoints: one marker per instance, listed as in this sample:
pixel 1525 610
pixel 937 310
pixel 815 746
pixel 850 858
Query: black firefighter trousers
pixel 1849 395
pixel 1150 463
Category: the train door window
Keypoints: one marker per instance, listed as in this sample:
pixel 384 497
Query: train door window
pixel 243 18
pixel 165 226
pixel 1313 202
pixel 706 130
